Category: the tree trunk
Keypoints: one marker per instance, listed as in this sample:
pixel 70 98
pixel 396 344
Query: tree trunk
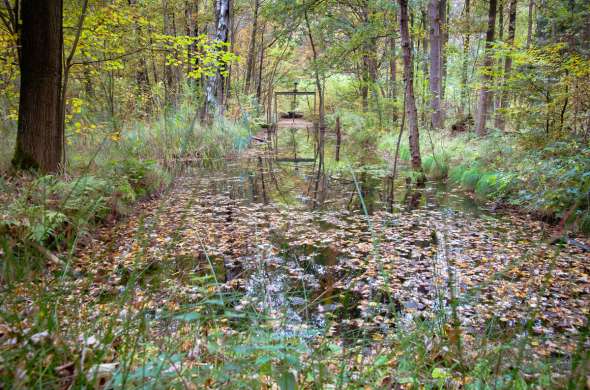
pixel 464 90
pixel 338 138
pixel 39 142
pixel 141 74
pixel 423 61
pixel 434 8
pixel 170 81
pixel 364 69
pixel 410 106
pixel 261 67
pixel 500 20
pixel 225 92
pixel 252 48
pixel 214 90
pixel 445 15
pixel 500 66
pixel 485 94
pixel 190 13
pixel 529 35
pixel 393 77
pixel 321 108
pixel 500 119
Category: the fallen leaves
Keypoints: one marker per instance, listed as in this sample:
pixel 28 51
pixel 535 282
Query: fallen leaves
pixel 305 268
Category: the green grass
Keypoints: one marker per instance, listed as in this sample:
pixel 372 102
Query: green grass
pixel 531 171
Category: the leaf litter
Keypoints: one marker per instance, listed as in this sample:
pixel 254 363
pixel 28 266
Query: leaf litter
pixel 304 269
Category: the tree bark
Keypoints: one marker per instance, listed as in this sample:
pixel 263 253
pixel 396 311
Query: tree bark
pixel 214 89
pixel 434 8
pixel 338 138
pixel 261 67
pixel 466 42
pixel 424 63
pixel 485 94
pixel 321 108
pixel 170 78
pixel 445 15
pixel 529 35
pixel 39 142
pixel 500 20
pixel 252 48
pixel 410 106
pixel 500 118
pixel 190 13
pixel 393 77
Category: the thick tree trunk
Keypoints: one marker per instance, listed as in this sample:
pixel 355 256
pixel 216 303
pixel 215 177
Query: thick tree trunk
pixel 410 106
pixel 464 90
pixel 39 143
pixel 500 118
pixel 485 94
pixel 434 8
pixel 252 48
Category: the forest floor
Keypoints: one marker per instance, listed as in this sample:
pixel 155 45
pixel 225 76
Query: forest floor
pixel 242 239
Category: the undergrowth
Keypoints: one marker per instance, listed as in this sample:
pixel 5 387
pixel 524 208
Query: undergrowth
pixel 532 172
pixel 106 174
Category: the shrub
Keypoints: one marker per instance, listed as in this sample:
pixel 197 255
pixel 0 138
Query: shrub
pixel 486 185
pixel 470 178
pixel 145 176
pixel 436 168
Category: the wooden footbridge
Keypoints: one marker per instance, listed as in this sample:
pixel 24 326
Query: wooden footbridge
pixel 291 119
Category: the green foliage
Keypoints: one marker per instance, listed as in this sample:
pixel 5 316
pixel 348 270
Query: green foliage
pixel 436 167
pixel 145 177
pixel 470 178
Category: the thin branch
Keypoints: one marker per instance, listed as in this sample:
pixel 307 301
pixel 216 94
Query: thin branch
pixel 109 59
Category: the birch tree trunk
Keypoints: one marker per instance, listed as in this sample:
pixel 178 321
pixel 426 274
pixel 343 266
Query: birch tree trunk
pixel 410 106
pixel 214 83
pixel 485 94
